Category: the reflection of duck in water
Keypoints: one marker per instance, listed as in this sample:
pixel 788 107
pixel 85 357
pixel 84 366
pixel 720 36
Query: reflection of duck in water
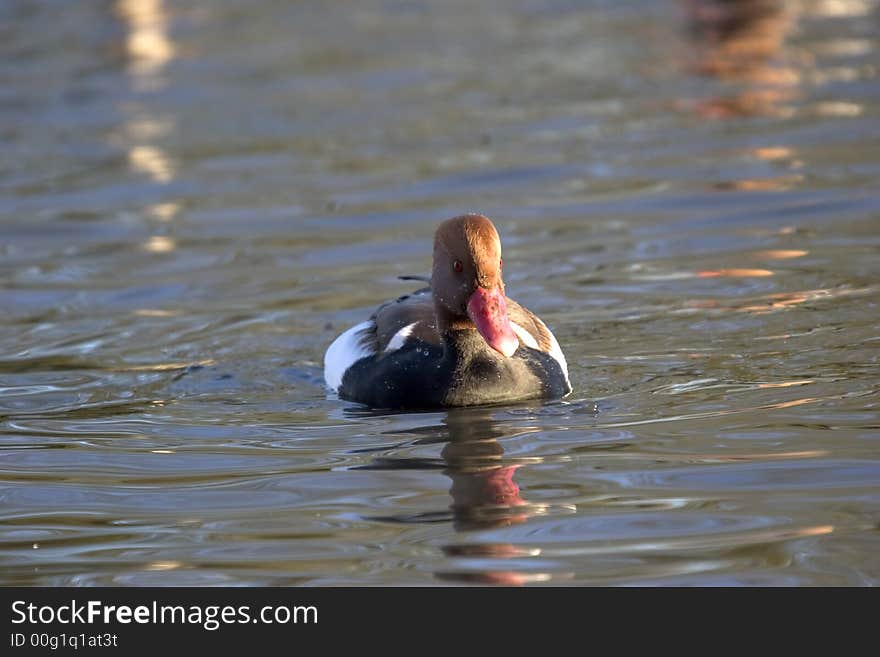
pixel 484 493
pixel 485 496
pixel 743 42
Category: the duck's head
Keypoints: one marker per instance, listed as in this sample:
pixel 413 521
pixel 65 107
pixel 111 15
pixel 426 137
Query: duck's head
pixel 466 279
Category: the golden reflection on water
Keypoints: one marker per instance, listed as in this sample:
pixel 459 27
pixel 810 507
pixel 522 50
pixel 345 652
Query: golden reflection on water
pixel 160 244
pixel 729 272
pixel 778 300
pixel 152 161
pixel 744 44
pixel 772 153
pixel 773 184
pixel 738 273
pixel 780 254
pixel 150 49
pixel 164 565
pixel 793 403
pixel 164 367
pixel 156 312
pixel 839 108
pixel 841 8
pixel 845 47
pixel 147 42
pixel 147 128
pixel 781 300
pixel 786 384
pixel 164 211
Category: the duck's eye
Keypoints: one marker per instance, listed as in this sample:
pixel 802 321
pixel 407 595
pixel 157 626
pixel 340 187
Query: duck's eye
pixel 500 264
pixel 457 267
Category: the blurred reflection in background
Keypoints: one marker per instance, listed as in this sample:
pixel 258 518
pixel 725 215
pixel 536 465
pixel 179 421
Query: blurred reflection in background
pixel 149 50
pixel 746 47
pixel 148 44
pixel 743 43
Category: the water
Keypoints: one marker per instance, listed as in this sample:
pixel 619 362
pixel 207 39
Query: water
pixel 197 197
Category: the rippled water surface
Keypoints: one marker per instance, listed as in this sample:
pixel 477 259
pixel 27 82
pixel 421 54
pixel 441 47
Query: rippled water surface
pixel 195 198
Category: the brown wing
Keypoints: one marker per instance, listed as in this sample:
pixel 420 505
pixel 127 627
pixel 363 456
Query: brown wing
pixel 417 308
pixel 530 322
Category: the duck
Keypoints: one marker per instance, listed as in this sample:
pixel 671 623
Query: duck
pixel 459 341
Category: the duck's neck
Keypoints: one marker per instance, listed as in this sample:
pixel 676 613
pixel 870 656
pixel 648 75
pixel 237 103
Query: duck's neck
pixel 455 330
pixel 462 343
pixel 448 321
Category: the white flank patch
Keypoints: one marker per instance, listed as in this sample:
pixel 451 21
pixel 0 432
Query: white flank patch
pixel 398 339
pixel 345 351
pixel 524 336
pixel 556 352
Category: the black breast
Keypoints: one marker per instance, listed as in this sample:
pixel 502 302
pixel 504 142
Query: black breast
pixel 463 372
pixel 415 376
pixel 483 376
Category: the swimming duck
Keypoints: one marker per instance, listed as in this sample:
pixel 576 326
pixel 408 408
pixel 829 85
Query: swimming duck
pixel 458 342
